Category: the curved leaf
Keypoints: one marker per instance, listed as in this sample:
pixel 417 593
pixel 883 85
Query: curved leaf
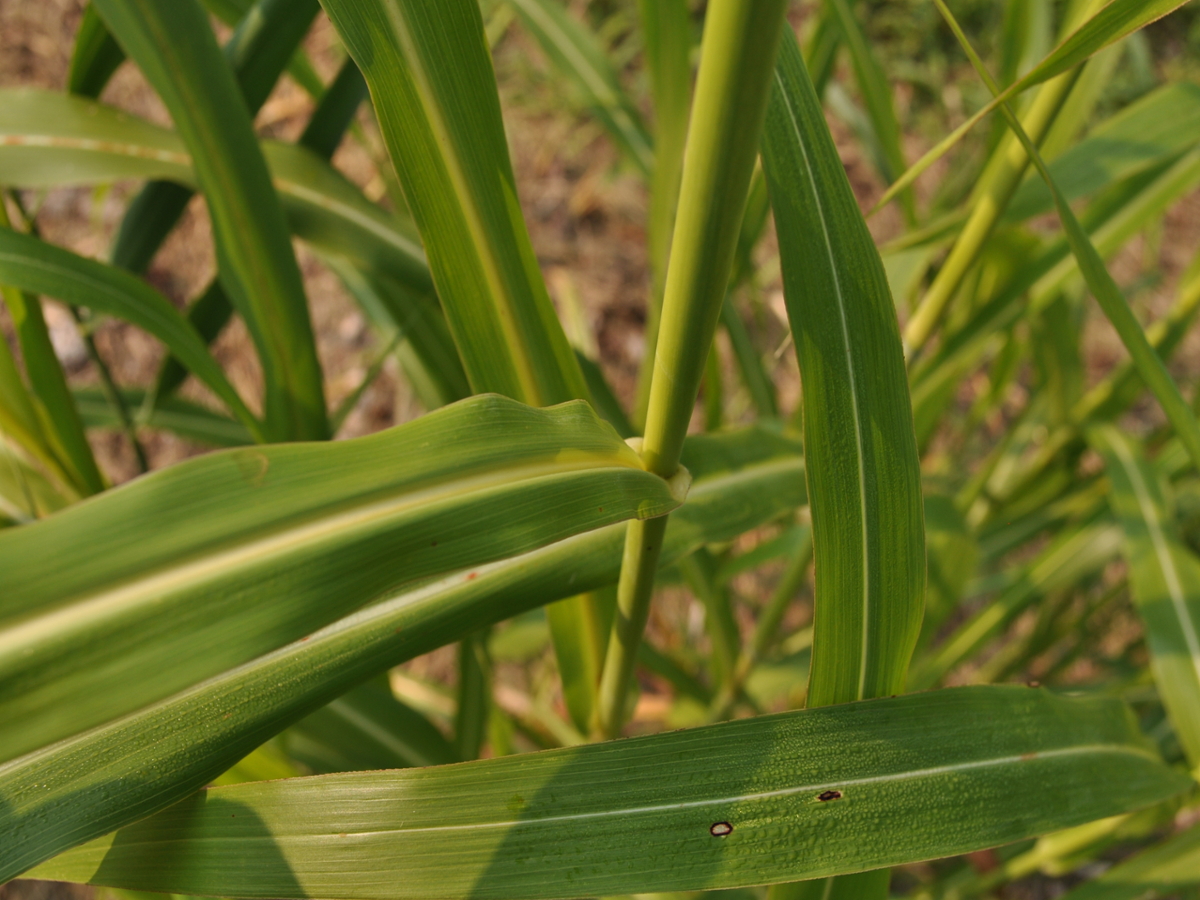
pixel 175 49
pixel 123 771
pixel 205 565
pixel 42 268
pixel 796 795
pixel 434 92
pixel 863 472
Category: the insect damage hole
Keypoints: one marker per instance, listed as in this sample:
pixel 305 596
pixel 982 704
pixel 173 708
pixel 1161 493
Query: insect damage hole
pixel 720 829
pixel 826 796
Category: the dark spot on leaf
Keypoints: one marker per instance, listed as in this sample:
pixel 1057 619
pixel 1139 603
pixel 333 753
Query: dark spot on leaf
pixel 720 829
pixel 826 796
pixel 434 544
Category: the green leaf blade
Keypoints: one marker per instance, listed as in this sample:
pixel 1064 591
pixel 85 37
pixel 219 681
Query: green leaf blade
pixel 863 471
pixel 121 772
pixel 175 48
pixel 729 805
pixel 441 122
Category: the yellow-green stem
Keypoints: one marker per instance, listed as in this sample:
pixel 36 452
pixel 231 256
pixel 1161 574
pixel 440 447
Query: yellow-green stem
pixel 736 62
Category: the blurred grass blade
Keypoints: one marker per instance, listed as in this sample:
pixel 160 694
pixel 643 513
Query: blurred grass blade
pixel 877 96
pixel 335 111
pixel 174 47
pixel 22 422
pixel 95 56
pixel 863 472
pixel 1109 297
pixel 25 493
pixel 843 787
pixel 1111 23
pixel 182 417
pixel 61 426
pixel 34 265
pixel 1074 553
pixel 1165 579
pixel 367 728
pixel 574 50
pixel 1162 124
pixel 256 53
pixel 434 91
pixel 1162 870
pixel 474 696
pixel 165 752
pixel 250 549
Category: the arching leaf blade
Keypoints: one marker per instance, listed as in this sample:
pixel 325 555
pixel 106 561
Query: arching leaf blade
pixel 165 752
pixel 174 47
pixel 863 471
pixel 434 92
pixel 203 566
pixel 823 791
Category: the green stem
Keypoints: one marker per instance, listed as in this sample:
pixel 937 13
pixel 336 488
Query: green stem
pixel 736 63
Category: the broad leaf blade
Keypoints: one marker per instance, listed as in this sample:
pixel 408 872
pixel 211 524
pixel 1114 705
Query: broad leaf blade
pixel 434 92
pixel 797 795
pixel 203 566
pixel 123 771
pixel 863 472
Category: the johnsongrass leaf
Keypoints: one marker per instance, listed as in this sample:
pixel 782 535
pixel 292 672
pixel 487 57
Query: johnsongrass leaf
pixel 174 47
pixel 796 795
pixel 434 92
pixel 1162 870
pixel 205 565
pixel 33 265
pixel 49 140
pixel 120 772
pixel 1165 579
pixel 574 50
pixel 863 472
pixel 1114 21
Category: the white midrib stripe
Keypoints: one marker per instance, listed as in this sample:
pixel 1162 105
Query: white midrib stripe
pixel 97 145
pixel 858 438
pixel 1161 550
pixel 813 789
pixel 82 614
pixel 482 246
